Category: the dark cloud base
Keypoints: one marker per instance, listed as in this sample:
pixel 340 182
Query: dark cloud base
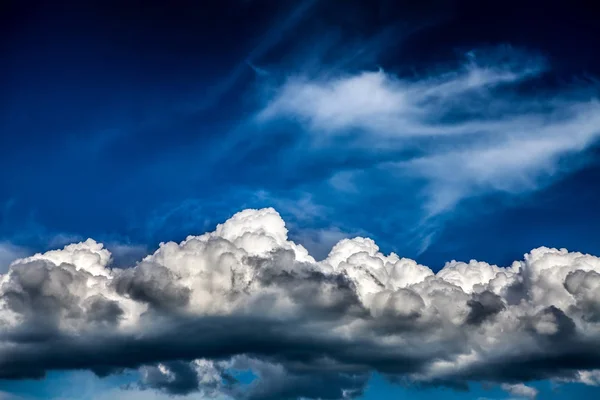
pixel 245 298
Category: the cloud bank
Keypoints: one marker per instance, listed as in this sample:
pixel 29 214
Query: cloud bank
pixel 245 298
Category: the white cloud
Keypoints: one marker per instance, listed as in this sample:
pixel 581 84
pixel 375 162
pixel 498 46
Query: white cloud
pixel 493 131
pixel 517 164
pixel 390 107
pixel 247 289
pixel 320 241
pixel 520 390
pixel 591 377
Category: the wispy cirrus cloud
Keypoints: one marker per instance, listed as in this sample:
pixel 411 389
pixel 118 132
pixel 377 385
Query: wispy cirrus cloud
pixel 274 35
pixel 488 124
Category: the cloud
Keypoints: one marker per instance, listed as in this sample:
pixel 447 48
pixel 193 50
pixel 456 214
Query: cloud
pixel 246 298
pixel 520 390
pixel 320 241
pixel 486 125
pixel 591 378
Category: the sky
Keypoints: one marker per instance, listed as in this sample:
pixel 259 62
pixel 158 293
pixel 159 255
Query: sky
pixel 300 190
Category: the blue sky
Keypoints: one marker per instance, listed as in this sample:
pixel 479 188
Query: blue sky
pixel 447 131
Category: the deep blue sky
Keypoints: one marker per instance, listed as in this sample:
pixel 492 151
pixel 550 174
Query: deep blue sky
pixel 113 116
pixel 132 123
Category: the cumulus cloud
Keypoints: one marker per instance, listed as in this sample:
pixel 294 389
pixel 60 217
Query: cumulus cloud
pixel 495 128
pixel 520 390
pixel 246 298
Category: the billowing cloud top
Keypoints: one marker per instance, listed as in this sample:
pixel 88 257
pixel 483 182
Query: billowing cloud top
pixel 244 297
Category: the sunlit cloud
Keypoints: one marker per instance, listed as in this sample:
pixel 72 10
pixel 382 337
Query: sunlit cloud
pixel 245 297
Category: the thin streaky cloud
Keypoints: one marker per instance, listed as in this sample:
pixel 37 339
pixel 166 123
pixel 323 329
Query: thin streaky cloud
pixel 273 36
pixel 494 136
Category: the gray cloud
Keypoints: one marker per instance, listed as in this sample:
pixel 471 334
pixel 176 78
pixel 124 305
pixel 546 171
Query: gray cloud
pixel 244 297
pixel 484 305
pixel 152 284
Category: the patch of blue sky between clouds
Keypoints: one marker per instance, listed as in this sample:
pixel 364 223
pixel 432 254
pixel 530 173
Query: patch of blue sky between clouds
pixel 59 385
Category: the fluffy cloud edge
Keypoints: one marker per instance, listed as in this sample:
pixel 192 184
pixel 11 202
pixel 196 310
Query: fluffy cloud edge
pixel 245 297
